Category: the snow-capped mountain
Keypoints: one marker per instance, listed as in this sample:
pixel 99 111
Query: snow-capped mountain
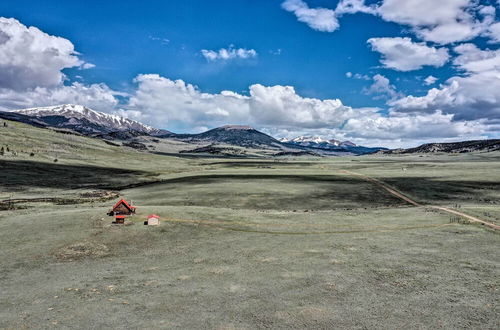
pixel 85 120
pixel 317 142
pixel 314 143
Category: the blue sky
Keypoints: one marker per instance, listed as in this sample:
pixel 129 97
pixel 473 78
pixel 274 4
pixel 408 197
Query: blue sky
pixel 135 51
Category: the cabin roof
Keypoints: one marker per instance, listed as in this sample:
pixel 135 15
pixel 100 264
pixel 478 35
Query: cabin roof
pixel 153 216
pixel 124 202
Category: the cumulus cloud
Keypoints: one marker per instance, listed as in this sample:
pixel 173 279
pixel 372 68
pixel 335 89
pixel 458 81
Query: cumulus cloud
pixel 282 106
pixel 403 54
pixel 474 60
pixel 320 19
pixel 324 19
pixel 382 88
pixel 164 101
pixel 281 111
pixel 32 58
pixel 97 96
pixel 443 22
pixel 472 97
pixel 412 127
pixel 430 80
pixel 228 53
pixel 31 64
pixel 353 7
pixel 422 12
pixel 493 32
pixel 476 95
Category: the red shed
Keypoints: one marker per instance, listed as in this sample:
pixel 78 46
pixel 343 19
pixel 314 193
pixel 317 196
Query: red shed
pixel 122 208
pixel 119 219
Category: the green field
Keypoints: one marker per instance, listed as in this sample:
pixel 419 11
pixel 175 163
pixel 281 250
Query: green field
pixel 243 243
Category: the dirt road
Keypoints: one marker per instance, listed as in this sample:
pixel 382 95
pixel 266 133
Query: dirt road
pixel 400 195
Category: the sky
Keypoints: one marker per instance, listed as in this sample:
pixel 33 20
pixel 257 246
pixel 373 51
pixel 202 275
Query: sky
pixel 394 73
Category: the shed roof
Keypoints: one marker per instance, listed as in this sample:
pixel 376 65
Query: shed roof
pixel 153 216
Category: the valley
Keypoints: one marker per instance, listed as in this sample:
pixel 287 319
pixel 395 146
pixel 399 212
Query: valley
pixel 248 241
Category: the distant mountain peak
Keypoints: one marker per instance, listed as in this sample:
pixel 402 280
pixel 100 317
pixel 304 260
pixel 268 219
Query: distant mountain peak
pixel 239 135
pixel 85 120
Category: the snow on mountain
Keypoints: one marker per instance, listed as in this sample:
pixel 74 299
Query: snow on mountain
pixel 316 141
pixel 76 113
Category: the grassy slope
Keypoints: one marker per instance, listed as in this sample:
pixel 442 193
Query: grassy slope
pixel 278 244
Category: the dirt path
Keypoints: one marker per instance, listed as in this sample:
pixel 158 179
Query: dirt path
pixel 401 196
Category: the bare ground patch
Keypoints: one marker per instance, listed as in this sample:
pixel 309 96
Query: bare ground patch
pixel 82 250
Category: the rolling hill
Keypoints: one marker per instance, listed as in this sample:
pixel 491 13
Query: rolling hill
pixel 451 147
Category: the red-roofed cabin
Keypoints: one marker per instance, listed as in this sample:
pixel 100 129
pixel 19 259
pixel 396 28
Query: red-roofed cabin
pixel 122 208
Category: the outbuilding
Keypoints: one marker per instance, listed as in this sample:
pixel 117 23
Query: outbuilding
pixel 153 220
pixel 120 219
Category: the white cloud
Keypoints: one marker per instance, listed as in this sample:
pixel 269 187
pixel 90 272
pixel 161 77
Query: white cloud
pixel 382 88
pixel 430 80
pixel 472 97
pixel 493 32
pixel 404 55
pixel 412 127
pixel 475 96
pixel 320 19
pixel 443 21
pixel 353 7
pixel 228 53
pixel 95 96
pixel 86 66
pixel 164 102
pixel 31 64
pixel 473 59
pixel 422 12
pixel 280 110
pixel 282 106
pixel 361 76
pixel 31 58
pixel 357 76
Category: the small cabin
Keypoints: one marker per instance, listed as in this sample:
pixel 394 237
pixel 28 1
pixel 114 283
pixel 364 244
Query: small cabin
pixel 119 219
pixel 122 207
pixel 153 220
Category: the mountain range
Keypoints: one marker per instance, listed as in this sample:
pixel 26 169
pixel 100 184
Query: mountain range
pixel 317 142
pixel 450 147
pixel 83 120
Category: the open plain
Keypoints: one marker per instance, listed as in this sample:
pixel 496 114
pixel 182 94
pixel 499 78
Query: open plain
pixel 244 243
